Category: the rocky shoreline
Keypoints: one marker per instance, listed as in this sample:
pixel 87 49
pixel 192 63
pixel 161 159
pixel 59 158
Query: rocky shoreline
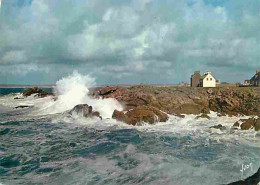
pixel 143 103
pixel 35 90
pixel 187 100
pixel 152 104
pixel 230 101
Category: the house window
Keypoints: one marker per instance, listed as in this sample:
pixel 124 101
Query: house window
pixel 207 79
pixel 210 79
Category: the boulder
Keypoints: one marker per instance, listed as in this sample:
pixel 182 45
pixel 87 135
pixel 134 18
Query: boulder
pixel 18 98
pixel 179 115
pixel 85 111
pixel 35 90
pixel 248 124
pixel 236 124
pixel 140 114
pixel 203 116
pixel 30 91
pixel 96 114
pixel 219 126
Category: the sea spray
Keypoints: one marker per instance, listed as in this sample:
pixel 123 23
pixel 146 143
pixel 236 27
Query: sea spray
pixel 180 151
pixel 73 90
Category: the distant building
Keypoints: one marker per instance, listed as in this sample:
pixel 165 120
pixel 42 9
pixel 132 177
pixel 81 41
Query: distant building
pixel 195 79
pixel 255 80
pixel 206 80
pixel 183 84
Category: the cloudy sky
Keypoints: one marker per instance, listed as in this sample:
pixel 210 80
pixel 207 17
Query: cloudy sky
pixel 128 41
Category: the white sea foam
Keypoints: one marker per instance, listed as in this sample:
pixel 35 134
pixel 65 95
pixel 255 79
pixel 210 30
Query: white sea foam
pixel 73 90
pixel 188 126
pixel 9 101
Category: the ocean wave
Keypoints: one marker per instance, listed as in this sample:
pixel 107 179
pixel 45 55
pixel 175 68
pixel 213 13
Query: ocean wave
pixel 74 90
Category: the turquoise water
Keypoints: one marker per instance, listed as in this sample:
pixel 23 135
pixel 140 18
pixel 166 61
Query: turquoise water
pixel 5 91
pixel 37 150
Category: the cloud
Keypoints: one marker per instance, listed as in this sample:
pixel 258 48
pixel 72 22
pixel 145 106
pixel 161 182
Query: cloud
pixel 22 69
pixel 14 57
pixel 140 4
pixel 129 41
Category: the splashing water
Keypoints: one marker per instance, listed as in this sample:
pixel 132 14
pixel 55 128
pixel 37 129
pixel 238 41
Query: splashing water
pixel 49 149
pixel 73 90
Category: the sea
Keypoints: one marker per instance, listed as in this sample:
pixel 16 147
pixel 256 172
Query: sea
pixel 40 143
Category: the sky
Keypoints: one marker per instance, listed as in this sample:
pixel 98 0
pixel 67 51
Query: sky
pixel 128 41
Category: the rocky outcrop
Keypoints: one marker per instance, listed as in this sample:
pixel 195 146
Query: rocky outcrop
pixel 120 116
pixel 116 92
pixel 203 115
pixel 141 114
pixel 186 100
pixel 246 124
pixel 234 101
pixel 219 126
pixel 170 100
pixel 35 90
pixel 85 111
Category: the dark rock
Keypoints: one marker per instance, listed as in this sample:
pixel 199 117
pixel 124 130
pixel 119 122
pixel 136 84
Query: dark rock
pixel 179 115
pixel 236 124
pixel 30 91
pixel 97 114
pixel 219 126
pixel 85 111
pixel 203 116
pixel 246 124
pixel 112 92
pixel 140 114
pixel 35 90
pixel 82 110
pixel 18 98
pixel 22 106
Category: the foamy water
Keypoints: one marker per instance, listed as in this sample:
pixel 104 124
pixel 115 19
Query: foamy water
pixel 54 148
pixel 73 90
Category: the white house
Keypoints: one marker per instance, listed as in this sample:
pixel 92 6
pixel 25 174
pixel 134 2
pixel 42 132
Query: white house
pixel 208 80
